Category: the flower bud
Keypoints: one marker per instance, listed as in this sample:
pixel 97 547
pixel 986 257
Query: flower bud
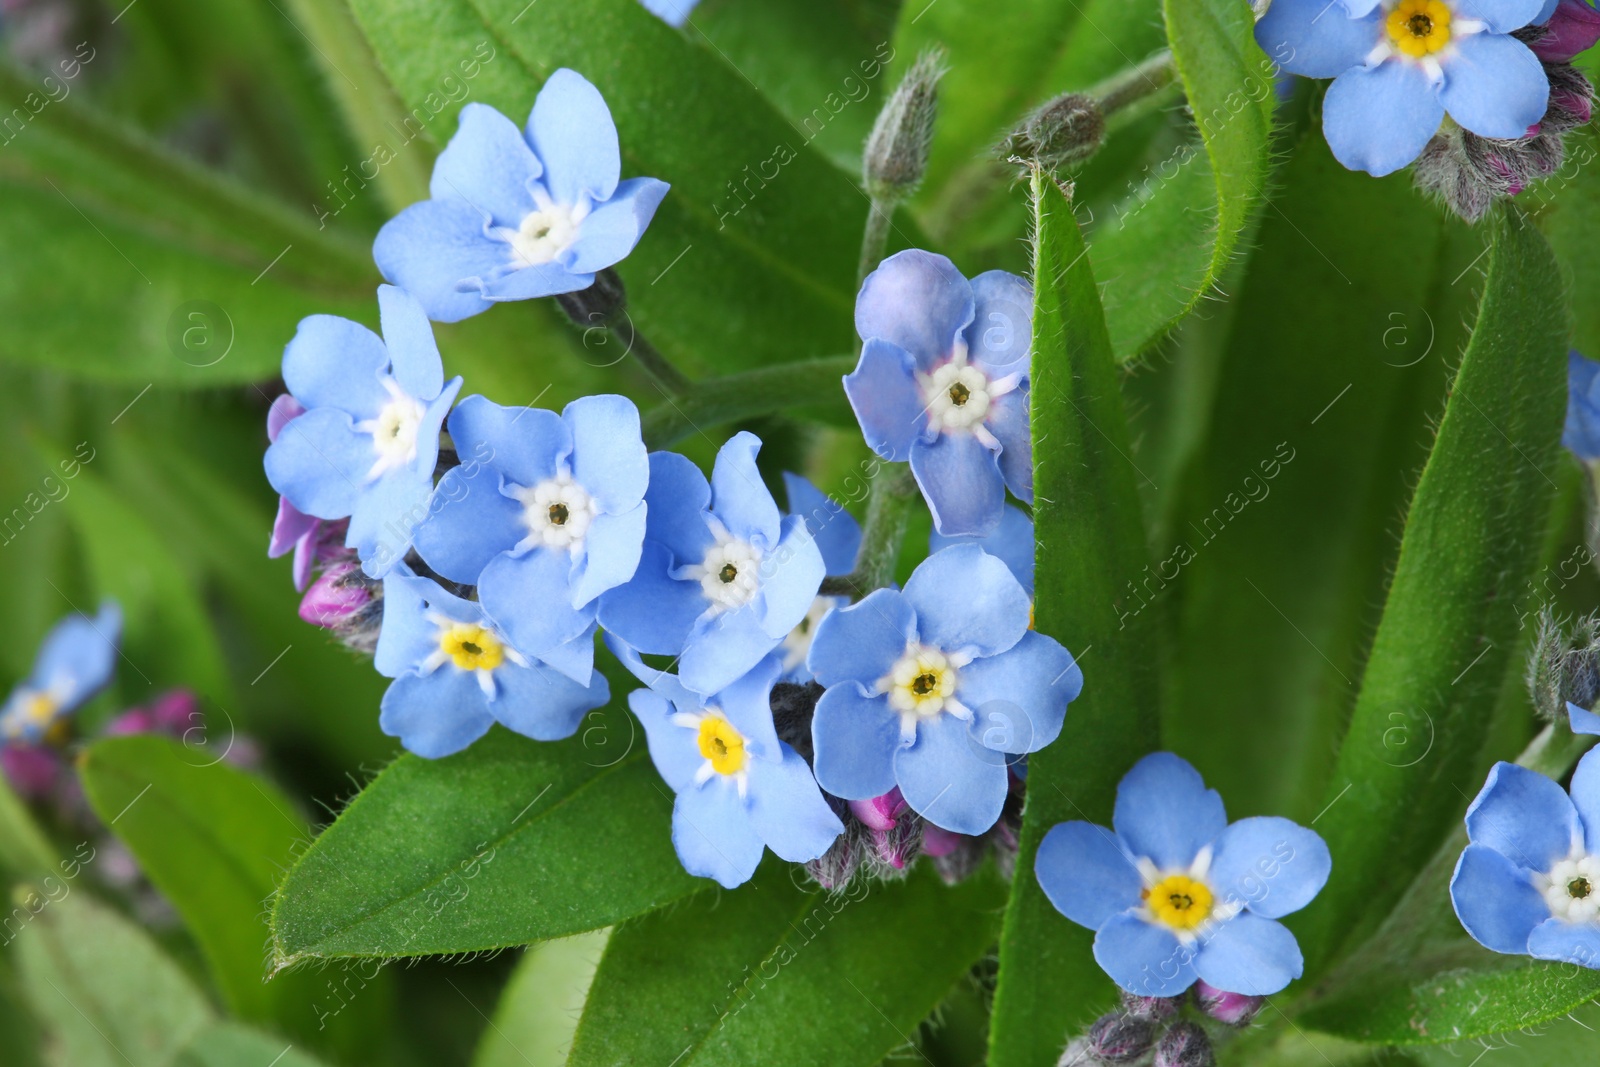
pixel 1574 27
pixel 32 770
pixel 1156 1009
pixel 1564 665
pixel 896 154
pixel 1235 1009
pixel 348 603
pixel 1078 1054
pixel 835 867
pixel 880 813
pixel 1121 1038
pixel 1064 132
pixel 171 713
pixel 1185 1045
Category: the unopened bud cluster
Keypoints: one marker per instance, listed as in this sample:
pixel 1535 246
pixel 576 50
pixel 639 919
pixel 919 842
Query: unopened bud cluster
pixel 1146 1025
pixel 1061 134
pixel 896 154
pixel 1564 666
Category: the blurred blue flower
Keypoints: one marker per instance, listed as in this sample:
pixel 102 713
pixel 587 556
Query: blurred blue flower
pixel 544 514
pixel 1011 543
pixel 1582 721
pixel 74 663
pixel 518 214
pixel 943 383
pixel 739 788
pixel 1529 883
pixel 933 687
pixel 369 438
pixel 723 577
pixel 455 674
pixel 838 536
pixel 1175 893
pixel 672 12
pixel 1582 432
pixel 1400 65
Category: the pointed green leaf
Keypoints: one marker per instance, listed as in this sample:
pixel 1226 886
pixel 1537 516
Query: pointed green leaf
pixel 539 1010
pixel 232 1045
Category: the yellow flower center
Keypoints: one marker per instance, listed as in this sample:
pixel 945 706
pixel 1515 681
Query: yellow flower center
pixel 472 647
pixel 921 681
pixel 722 745
pixel 1179 901
pixel 1419 27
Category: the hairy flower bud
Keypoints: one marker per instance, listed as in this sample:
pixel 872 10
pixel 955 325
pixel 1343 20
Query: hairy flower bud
pixel 1064 132
pixel 1574 27
pixel 896 155
pixel 1078 1054
pixel 346 602
pixel 1156 1009
pixel 1185 1045
pixel 1564 665
pixel 1118 1037
pixel 1235 1009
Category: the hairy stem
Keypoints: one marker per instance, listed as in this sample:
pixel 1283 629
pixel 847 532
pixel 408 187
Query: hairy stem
pixel 894 492
pixel 875 238
pixel 713 401
pixel 1129 87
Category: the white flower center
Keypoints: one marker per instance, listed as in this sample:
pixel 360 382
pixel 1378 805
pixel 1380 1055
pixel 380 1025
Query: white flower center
pixel 730 576
pixel 545 233
pixel 557 511
pixel 797 644
pixel 394 430
pixel 956 396
pixel 1572 888
pixel 28 713
pixel 922 683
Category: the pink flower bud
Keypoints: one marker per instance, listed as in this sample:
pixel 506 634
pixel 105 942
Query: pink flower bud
pixel 1573 28
pixel 880 813
pixel 31 769
pixel 332 599
pixel 937 841
pixel 1235 1009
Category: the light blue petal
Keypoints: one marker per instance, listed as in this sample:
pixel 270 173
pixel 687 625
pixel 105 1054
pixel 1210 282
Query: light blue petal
pixel 678 498
pixel 1019 698
pixel 1495 900
pixel 608 454
pixel 917 300
pixel 319 463
pixel 575 659
pixel 612 230
pixel 1317 38
pixel 672 12
pixel 528 445
pixel 408 337
pixel 434 248
pixel 1000 338
pixel 435 715
pixel 79 656
pixel 1582 722
pixel 384 518
pixel 1270 865
pixel 787 809
pixel 673 749
pixel 1582 431
pixel 531 283
pixel 747 703
pixel 1249 955
pixel 837 533
pixel 947 781
pixel 960 479
pixel 855 738
pixel 488 165
pixel 1524 816
pixel 1493 85
pixel 652 611
pixel 711 831
pixel 407 637
pixel 1082 869
pixel 1557 939
pixel 545 704
pixel 885 398
pixel 335 363
pixel 1008 421
pixel 572 132
pixel 1502 16
pixel 791 575
pixel 965 599
pixel 469 523
pixel 1379 119
pixel 739 498
pixel 1142 958
pixel 1585 791
pixel 1547 9
pixel 1165 813
pixel 1011 543
pixel 723 647
pixel 860 643
pixel 611 552
pixel 529 598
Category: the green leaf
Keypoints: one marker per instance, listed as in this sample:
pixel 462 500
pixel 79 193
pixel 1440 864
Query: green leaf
pixel 232 1045
pixel 509 842
pixel 766 274
pixel 1091 543
pixel 539 1010
pixel 23 847
pixel 771 973
pixel 1573 226
pixel 1563 1042
pixel 103 991
pixel 1449 624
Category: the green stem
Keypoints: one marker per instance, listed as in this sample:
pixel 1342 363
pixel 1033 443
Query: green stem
pixel 661 370
pixel 875 238
pixel 1137 83
pixel 713 401
pixel 894 492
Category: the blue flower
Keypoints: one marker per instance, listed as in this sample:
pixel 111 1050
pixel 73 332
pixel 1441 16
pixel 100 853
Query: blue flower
pixel 74 663
pixel 518 214
pixel 723 577
pixel 838 536
pixel 1011 543
pixel 544 514
pixel 1176 894
pixel 1582 721
pixel 366 446
pixel 933 687
pixel 672 12
pixel 739 788
pixel 1582 433
pixel 1529 883
pixel 1400 65
pixel 943 383
pixel 455 674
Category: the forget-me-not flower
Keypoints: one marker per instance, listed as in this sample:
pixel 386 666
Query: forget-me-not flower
pixel 544 514
pixel 933 687
pixel 455 674
pixel 366 446
pixel 1582 432
pixel 74 663
pixel 739 788
pixel 307 536
pixel 838 537
pixel 1011 543
pixel 723 577
pixel 1399 66
pixel 672 12
pixel 943 383
pixel 1176 894
pixel 517 214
